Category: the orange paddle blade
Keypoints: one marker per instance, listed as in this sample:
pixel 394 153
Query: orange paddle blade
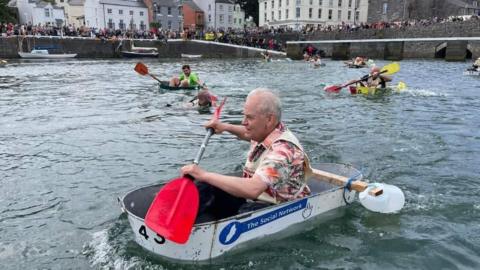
pixel 174 210
pixel 141 68
pixel 218 110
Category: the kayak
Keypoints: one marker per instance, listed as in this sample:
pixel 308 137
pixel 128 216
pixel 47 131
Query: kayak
pixel 166 85
pixel 210 239
pixel 374 91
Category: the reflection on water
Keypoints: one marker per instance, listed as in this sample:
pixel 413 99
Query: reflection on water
pixel 76 134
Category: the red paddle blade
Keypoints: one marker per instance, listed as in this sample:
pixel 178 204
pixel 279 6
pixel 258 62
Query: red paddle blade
pixel 218 110
pixel 333 88
pixel 174 210
pixel 141 68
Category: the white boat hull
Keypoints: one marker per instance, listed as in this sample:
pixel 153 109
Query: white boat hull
pixel 46 56
pixel 212 239
pixel 184 55
pixel 471 73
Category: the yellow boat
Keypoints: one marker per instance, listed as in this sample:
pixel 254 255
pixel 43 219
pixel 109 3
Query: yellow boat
pixel 373 90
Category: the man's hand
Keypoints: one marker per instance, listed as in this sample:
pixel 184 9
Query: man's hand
pixel 218 126
pixel 193 170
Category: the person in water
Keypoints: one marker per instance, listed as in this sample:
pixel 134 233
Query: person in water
pixel 316 61
pixel 267 56
pixel 275 166
pixel 186 79
pixel 475 65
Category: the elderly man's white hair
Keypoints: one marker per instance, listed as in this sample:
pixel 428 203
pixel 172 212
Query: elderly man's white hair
pixel 270 102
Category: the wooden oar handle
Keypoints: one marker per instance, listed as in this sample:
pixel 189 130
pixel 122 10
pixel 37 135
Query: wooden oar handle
pixel 337 180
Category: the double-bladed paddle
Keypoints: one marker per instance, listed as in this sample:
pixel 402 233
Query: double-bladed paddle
pixel 388 70
pixel 142 69
pixel 376 197
pixel 174 209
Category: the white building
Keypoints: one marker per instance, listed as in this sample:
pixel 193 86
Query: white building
pixel 74 11
pixel 238 17
pixel 39 12
pixel 221 14
pixel 116 14
pixel 298 13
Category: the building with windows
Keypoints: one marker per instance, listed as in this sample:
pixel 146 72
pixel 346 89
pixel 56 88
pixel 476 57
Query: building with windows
pixel 238 17
pixel 221 14
pixel 74 11
pixel 116 14
pixel 394 10
pixel 299 13
pixel 40 12
pixel 167 13
pixel 193 16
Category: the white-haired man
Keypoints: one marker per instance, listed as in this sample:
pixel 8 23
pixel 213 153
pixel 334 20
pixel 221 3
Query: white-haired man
pixel 275 167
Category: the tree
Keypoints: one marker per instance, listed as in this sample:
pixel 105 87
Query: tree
pixel 250 7
pixel 6 14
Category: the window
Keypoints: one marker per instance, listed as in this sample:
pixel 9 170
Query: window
pixel 349 14
pixel 221 18
pixel 339 15
pixel 310 12
pixel 141 13
pixel 111 25
pixel 385 7
pixel 349 3
pixel 265 5
pixel 319 13
pixel 330 12
pixel 273 2
pixel 357 15
pixel 120 11
pixel 265 17
pixel 298 12
pixel 320 2
pixel 280 3
pixel 286 14
pixel 279 14
pixel 109 10
pixel 169 23
pixel 239 21
pixel 209 7
pixel 169 12
pixel 475 3
pixel 121 25
pixel 229 8
pixel 234 20
pixel 299 2
pixel 47 12
pixel 131 12
pixel 311 2
pixel 273 16
pixel 220 7
pixel 142 25
pixel 159 9
pixel 330 3
pixel 209 17
pixel 288 2
pixel 339 3
pixel 229 19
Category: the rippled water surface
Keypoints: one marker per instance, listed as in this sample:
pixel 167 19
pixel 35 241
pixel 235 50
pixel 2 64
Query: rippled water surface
pixel 75 135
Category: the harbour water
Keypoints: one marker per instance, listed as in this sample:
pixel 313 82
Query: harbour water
pixel 77 134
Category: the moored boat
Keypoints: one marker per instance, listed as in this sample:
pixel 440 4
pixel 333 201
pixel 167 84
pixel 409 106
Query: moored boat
pixel 166 86
pixel 471 73
pixel 3 63
pixel 184 55
pixel 210 239
pixel 139 54
pixel 44 54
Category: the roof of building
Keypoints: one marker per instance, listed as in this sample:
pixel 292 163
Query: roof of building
pixel 462 4
pixel 225 1
pixel 192 5
pixel 127 3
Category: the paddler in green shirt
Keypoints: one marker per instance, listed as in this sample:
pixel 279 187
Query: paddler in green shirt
pixel 186 79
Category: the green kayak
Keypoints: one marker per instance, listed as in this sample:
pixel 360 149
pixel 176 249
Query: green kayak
pixel 165 85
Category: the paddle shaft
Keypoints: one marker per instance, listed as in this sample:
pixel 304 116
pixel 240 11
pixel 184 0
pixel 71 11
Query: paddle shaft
pixel 210 132
pixel 153 76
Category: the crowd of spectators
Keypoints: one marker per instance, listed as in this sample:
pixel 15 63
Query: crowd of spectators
pixel 258 37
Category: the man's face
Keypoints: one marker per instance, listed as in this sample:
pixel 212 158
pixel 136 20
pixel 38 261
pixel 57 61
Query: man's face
pixel 186 71
pixel 256 123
